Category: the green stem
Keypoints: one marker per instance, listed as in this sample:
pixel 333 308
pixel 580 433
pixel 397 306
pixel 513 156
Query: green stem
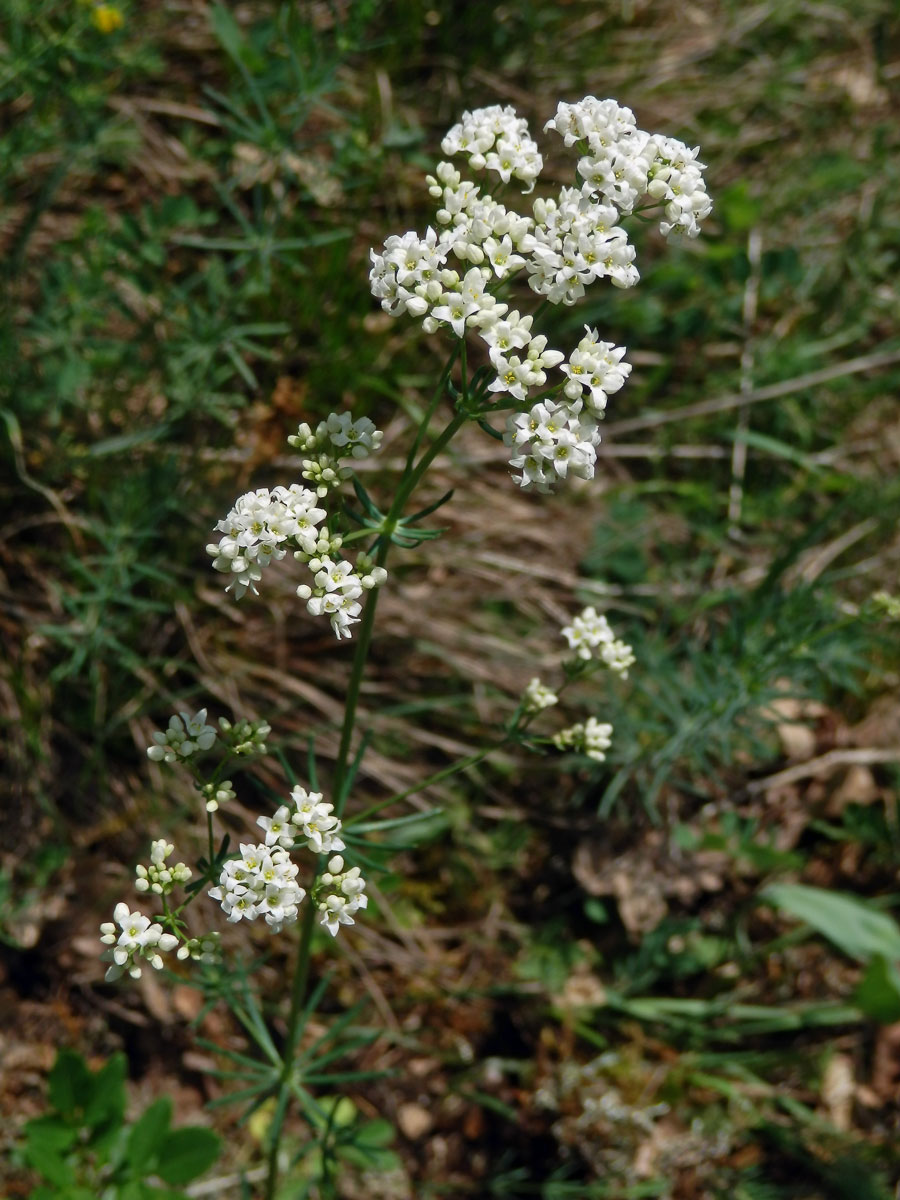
pixel 431 409
pixel 408 483
pixel 409 480
pixel 298 995
pixel 460 765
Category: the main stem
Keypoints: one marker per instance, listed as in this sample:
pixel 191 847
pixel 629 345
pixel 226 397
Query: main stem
pixel 298 992
pixel 409 481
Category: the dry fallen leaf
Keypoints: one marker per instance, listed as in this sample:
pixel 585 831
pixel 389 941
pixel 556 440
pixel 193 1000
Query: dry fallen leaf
pixel 838 1089
pixel 414 1121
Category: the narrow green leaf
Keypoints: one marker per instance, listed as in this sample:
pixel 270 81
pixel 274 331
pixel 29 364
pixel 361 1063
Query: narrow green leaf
pixel 401 822
pixel 227 30
pixel 854 926
pixel 347 787
pixel 366 500
pixel 424 512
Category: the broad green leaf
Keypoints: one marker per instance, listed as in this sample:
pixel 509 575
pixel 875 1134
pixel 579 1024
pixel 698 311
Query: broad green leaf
pixel 71 1084
pixel 878 995
pixel 107 1105
pixel 51 1165
pixel 48 1134
pixel 187 1153
pixel 855 927
pixel 375 1133
pixel 147 1135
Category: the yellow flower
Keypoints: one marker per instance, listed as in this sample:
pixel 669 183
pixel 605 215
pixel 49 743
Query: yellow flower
pixel 107 18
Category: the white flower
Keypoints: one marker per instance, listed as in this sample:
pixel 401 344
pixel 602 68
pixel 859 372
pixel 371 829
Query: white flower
pixel 623 163
pixel 575 241
pixel 257 530
pixel 136 938
pixel 277 828
pixel 315 820
pixel 496 139
pixel 338 437
pixel 568 242
pixel 504 335
pixel 501 256
pixel 596 368
pixel 360 436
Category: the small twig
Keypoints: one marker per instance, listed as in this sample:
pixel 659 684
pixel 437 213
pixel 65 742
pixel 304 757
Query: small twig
pixel 853 366
pixel 212 1187
pixel 825 762
pixel 739 449
pixel 14 433
pixel 378 997
pixel 165 108
pixel 812 564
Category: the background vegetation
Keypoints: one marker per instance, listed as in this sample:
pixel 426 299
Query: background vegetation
pixel 590 982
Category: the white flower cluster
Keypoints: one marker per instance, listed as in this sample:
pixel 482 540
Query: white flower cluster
pixel 337 589
pixel 206 949
pixel 590 636
pixel 184 737
pixel 217 793
pixel 262 882
pixel 340 894
pixel 312 818
pixel 136 938
pixel 159 877
pixel 562 246
pixel 624 163
pixel 264 524
pixel 245 737
pixel 589 738
pixel 257 531
pixel 550 442
pixel 595 371
pixel 336 438
pixel 496 139
pixel 537 697
pixel 576 241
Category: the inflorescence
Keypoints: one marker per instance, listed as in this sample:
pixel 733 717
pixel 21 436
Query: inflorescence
pixel 595 646
pixel 454 278
pixel 563 245
pixel 260 882
pixel 264 524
